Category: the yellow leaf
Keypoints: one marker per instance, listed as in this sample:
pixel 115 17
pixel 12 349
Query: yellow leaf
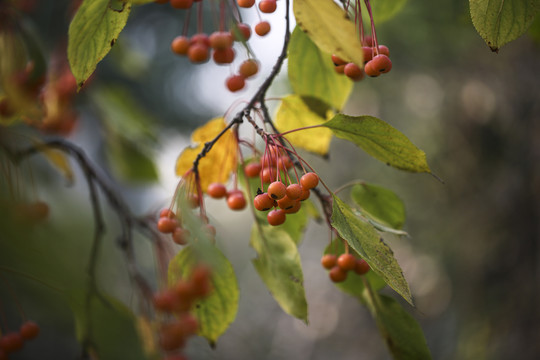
pixel 219 162
pixel 57 159
pixel 297 112
pixel 330 29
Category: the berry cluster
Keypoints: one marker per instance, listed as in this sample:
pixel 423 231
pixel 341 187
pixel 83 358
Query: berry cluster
pixel 171 223
pixel 376 57
pixel 200 47
pixel 340 266
pixel 235 197
pixel 178 301
pixel 284 197
pixel 14 341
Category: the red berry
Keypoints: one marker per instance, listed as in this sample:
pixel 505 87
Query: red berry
pixel 181 4
pixel 285 203
pixel 167 225
pixel 263 202
pixel 294 209
pixel 217 190
pixel 167 213
pixel 200 281
pixel 294 191
pixel 361 267
pixel 328 261
pixel 309 180
pixel 245 3
pixel 382 63
pixel 276 217
pixel 189 324
pixel 29 330
pixel 165 300
pixel 198 53
pixel 340 69
pixel 305 194
pixel 235 83
pixel 267 6
pixel 236 201
pixel 384 50
pixel 266 175
pixel 11 342
pixel 253 170
pixel 337 274
pixel 368 53
pixel 277 190
pixel 370 70
pixel 249 68
pixel 180 236
pixel 180 45
pixel 170 341
pixel 346 262
pixel 223 56
pixel 354 72
pixel 241 32
pixel 200 38
pixel 221 40
pixel 337 60
pixel 368 41
pixel 262 28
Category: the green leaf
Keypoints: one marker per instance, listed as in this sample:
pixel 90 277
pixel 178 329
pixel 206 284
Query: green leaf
pixel 312 73
pixel 106 318
pixel 296 112
pixel 92 33
pixel 330 29
pixel 501 21
pixel 216 312
pixel 380 140
pixel 384 10
pixel 363 238
pixel 380 203
pixel 278 265
pixel 354 285
pixel 402 334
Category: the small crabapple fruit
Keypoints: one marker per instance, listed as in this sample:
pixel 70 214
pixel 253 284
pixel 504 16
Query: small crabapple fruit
pixel 309 180
pixel 337 60
pixel 328 261
pixel 29 330
pixel 263 202
pixel 267 6
pixel 180 45
pixel 294 191
pixel 180 236
pixel 245 3
pixel 167 213
pixel 236 201
pixel 346 262
pixel 167 225
pixel 262 28
pixel 276 217
pixel 223 56
pixel 198 53
pixel 353 72
pixel 337 274
pixel 361 267
pixel 266 175
pixel 249 68
pixel 285 203
pixel 253 170
pixel 235 83
pixel 216 190
pixel 305 194
pixel 220 40
pixel 241 32
pixel 277 190
pixel 295 208
pixel 340 69
pixel 181 4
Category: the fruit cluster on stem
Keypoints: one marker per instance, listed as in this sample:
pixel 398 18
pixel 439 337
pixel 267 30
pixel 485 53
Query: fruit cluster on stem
pixel 339 266
pixel 14 341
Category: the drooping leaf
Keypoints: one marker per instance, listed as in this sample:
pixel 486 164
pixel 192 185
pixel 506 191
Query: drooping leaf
pixel 312 73
pixel 216 312
pixel 380 140
pixel 278 265
pixel 297 112
pixel 363 238
pixel 380 203
pixel 92 33
pixel 218 164
pixel 106 318
pixel 501 21
pixel 401 332
pixel 354 285
pixel 330 29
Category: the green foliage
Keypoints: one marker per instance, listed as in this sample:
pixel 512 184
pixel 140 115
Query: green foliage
pixel 365 240
pixel 501 21
pixel 216 312
pixel 92 33
pixel 380 140
pixel 278 265
pixel 379 203
pixel 329 28
pixel 402 334
pixel 384 10
pixel 311 72
pixel 107 326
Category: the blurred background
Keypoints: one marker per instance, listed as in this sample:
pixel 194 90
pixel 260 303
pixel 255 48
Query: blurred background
pixel 472 259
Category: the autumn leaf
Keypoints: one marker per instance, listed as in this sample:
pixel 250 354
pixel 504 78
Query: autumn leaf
pixel 218 164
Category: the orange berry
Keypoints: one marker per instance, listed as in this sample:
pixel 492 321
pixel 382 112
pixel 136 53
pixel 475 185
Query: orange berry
pixel 180 236
pixel 337 60
pixel 165 300
pixel 384 50
pixel 181 4
pixel 266 175
pixel 262 28
pixel 220 40
pixel 368 41
pixel 263 202
pixel 285 203
pixel 200 281
pixel 368 53
pixel 284 162
pixel 328 261
pixel 235 83
pixel 353 72
pixel 276 217
pixel 305 194
pixel 294 209
pixel 200 38
pixel 381 63
pixel 245 3
pixel 241 32
pixel 223 56
pixel 29 330
pixel 11 342
pixel 337 274
pixel 309 180
pixel 198 53
pixel 294 191
pixel 346 262
pixel 180 45
pixel 340 69
pixel 167 213
pixel 277 190
pixel 167 225
pixel 267 6
pixel 361 267
pixel 249 68
pixel 170 341
pixel 236 201
pixel 253 170
pixel 216 190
